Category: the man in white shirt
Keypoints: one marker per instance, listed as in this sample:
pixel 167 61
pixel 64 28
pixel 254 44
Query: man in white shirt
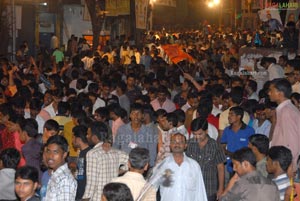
pixel 274 70
pixel 187 181
pixel 138 163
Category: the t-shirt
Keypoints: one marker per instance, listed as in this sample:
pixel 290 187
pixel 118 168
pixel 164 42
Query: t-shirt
pixel 81 174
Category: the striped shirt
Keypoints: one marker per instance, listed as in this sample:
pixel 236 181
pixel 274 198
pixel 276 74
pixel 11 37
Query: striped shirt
pixel 101 168
pixel 282 182
pixel 208 158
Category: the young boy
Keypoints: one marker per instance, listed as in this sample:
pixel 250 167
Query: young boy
pixel 9 160
pixel 259 145
pixel 278 161
pixel 26 183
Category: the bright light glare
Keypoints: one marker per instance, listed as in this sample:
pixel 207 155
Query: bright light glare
pixel 210 4
pixel 216 2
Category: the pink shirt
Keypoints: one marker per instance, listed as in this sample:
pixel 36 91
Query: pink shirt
pixel 287 128
pixel 115 126
pixel 168 105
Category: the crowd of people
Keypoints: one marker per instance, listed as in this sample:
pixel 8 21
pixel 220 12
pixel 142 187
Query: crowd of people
pixel 128 123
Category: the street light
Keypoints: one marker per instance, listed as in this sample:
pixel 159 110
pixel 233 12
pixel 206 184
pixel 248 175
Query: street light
pixel 210 4
pixel 216 3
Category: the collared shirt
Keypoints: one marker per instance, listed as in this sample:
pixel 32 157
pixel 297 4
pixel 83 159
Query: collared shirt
pixel 208 158
pixel 101 168
pixel 168 105
pixel 287 128
pixel 236 140
pixel 136 182
pixel 187 181
pixel 252 186
pixel 164 150
pixel 62 185
pixel 262 129
pixel 282 182
pixel 127 139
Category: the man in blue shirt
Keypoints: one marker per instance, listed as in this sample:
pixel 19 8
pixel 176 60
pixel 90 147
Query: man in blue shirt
pixel 236 135
pixel 135 134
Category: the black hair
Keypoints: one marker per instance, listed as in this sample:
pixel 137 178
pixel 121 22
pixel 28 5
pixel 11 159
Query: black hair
pixel 180 115
pixel 148 109
pixel 60 141
pixel 137 106
pixel 261 142
pixel 139 157
pixel 28 172
pixel 81 84
pixel 10 158
pixel 103 112
pixel 205 107
pixel 238 111
pixel 244 154
pixel 117 192
pixel 93 87
pixel 122 85
pixel 281 154
pixel 172 117
pixel 63 107
pixel 252 84
pixel 35 104
pixel 283 85
pixel 115 108
pixel 199 123
pixel 100 130
pixel 51 125
pixel 30 126
pixel 80 131
pixel 236 95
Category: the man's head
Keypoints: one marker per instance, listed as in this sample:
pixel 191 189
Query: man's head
pixel 56 151
pixel 199 128
pixel 97 132
pixel 162 93
pixel 29 129
pixel 235 115
pixel 192 99
pixel 169 121
pixel 279 158
pixel 139 159
pixel 259 143
pixel 79 136
pixel 130 80
pixel 280 90
pixel 178 143
pixel 236 96
pixel 51 128
pixel 244 161
pixel 9 158
pixel 115 191
pixel 26 182
pixel 136 113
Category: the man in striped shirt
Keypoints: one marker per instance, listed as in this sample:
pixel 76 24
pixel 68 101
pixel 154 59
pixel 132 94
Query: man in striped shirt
pixel 278 161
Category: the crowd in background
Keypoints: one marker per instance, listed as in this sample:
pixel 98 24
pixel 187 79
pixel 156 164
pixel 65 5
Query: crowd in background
pixel 73 120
